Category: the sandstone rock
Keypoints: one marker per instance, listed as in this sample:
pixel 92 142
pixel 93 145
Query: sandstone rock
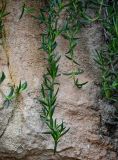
pixel 20 124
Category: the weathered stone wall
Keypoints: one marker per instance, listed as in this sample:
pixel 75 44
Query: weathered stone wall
pixel 20 124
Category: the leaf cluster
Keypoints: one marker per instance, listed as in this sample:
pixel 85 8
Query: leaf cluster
pixel 108 59
pixel 72 28
pixel 14 91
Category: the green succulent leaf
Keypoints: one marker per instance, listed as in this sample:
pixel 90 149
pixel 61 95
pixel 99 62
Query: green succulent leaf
pixel 2 77
pixel 10 96
pixel 24 86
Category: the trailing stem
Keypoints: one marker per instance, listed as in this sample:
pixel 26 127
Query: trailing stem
pixel 49 17
pixel 73 27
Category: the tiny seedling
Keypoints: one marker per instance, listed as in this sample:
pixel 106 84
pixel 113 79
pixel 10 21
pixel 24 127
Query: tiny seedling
pixel 14 91
pixel 20 88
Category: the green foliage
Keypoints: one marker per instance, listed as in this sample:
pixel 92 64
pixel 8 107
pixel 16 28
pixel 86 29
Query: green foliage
pixel 2 77
pixel 72 28
pixel 108 59
pixel 20 88
pixel 95 5
pixel 14 91
pixel 57 130
pixel 107 14
pixel 26 10
pixel 76 17
pixel 49 17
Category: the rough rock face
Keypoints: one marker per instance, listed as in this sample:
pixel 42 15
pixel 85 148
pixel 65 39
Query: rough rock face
pixel 21 128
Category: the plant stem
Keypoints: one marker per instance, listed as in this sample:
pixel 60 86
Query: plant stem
pixel 55 147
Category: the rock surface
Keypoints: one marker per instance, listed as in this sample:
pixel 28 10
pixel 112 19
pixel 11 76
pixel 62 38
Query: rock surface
pixel 21 128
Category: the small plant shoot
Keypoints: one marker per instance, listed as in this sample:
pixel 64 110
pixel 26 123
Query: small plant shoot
pixel 14 91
